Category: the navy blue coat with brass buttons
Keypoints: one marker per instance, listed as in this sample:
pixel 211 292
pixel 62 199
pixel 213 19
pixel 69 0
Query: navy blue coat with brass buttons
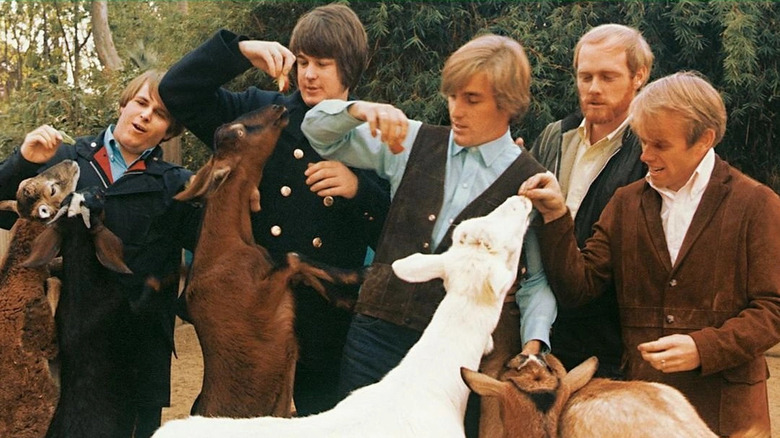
pixel 153 228
pixel 335 231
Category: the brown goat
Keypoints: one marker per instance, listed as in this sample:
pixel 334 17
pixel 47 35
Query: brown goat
pixel 28 343
pixel 241 304
pixel 539 399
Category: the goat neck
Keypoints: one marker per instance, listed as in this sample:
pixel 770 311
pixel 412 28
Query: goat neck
pixel 232 176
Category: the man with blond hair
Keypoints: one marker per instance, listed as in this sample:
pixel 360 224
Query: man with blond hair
pixel 124 163
pixel 692 252
pixel 593 152
pixel 443 174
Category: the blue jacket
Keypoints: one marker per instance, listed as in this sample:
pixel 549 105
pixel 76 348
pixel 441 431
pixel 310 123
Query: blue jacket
pixel 153 227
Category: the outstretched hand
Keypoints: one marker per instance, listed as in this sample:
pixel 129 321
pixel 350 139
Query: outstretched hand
pixel 383 119
pixel 545 193
pixel 331 178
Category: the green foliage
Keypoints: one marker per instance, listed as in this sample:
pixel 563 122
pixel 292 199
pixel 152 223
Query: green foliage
pixel 735 44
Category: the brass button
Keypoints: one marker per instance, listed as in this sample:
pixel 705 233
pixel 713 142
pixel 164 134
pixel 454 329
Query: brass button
pixel 673 283
pixel 316 242
pixel 431 217
pixel 286 191
pixel 276 230
pixel 426 245
pixel 670 319
pixel 298 153
pixel 328 201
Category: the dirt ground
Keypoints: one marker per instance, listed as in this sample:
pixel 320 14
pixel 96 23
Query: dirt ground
pixel 187 372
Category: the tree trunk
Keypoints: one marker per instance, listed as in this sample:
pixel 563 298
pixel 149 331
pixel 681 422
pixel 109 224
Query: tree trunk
pixel 172 150
pixel 104 43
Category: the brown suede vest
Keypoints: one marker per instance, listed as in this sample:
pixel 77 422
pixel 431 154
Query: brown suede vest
pixel 409 227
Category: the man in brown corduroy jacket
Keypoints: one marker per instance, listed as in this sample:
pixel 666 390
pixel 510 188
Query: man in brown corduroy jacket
pixel 692 251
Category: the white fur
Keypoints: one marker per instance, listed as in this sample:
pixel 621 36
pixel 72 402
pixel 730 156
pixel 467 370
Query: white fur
pixel 424 396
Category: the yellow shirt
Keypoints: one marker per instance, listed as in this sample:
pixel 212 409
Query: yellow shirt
pixel 589 161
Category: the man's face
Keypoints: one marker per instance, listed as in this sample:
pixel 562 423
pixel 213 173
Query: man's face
pixel 318 79
pixel 604 84
pixel 474 113
pixel 142 124
pixel 665 150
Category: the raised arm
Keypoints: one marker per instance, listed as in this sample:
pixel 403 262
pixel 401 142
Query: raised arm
pixel 338 130
pixel 192 89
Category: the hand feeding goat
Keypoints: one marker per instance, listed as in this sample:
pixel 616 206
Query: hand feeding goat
pixel 424 395
pixel 539 399
pixel 92 325
pixel 240 303
pixel 27 335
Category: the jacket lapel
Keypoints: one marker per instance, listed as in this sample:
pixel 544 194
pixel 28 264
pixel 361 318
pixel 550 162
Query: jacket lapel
pixel 713 196
pixel 651 209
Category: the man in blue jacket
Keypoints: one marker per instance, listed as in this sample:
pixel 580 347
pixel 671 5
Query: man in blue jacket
pixel 317 208
pixel 125 163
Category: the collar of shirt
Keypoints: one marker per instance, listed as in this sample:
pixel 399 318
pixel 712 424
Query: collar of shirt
pixel 678 208
pixel 118 164
pixel 469 172
pixel 589 161
pixel 488 152
pixel 582 131
pixel 697 182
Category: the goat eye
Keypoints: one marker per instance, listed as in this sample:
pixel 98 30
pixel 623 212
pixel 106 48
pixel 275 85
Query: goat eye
pixel 53 190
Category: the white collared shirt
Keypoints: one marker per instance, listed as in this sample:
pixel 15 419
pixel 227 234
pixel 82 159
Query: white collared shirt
pixel 678 208
pixel 589 161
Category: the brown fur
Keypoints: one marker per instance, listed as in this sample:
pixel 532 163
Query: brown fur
pixel 29 392
pixel 539 399
pixel 240 303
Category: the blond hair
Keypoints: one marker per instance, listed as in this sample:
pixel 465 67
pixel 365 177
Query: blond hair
pixel 690 97
pixel 152 78
pixel 506 65
pixel 638 53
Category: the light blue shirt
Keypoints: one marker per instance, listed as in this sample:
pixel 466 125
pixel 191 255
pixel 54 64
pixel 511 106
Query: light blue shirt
pixel 115 158
pixel 336 135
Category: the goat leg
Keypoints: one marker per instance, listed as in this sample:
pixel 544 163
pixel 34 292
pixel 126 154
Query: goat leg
pixel 323 279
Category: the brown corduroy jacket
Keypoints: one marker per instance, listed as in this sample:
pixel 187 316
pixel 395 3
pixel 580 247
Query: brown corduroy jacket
pixel 723 291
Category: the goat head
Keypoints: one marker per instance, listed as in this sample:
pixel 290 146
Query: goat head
pixel 108 247
pixel 40 196
pixel 498 235
pixel 246 143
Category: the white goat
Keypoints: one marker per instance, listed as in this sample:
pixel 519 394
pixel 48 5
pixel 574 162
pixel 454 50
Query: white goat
pixel 424 395
pixel 539 399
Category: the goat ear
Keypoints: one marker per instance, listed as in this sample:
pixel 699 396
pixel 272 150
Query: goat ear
pixel 500 280
pixel 9 206
pixel 418 268
pixel 199 183
pixel 482 384
pixel 109 250
pixel 580 375
pixel 254 200
pixel 45 248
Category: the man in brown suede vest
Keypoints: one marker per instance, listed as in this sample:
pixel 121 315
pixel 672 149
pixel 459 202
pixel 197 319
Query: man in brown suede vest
pixel 439 176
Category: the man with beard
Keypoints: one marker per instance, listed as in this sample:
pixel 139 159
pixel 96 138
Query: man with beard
pixel 592 153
